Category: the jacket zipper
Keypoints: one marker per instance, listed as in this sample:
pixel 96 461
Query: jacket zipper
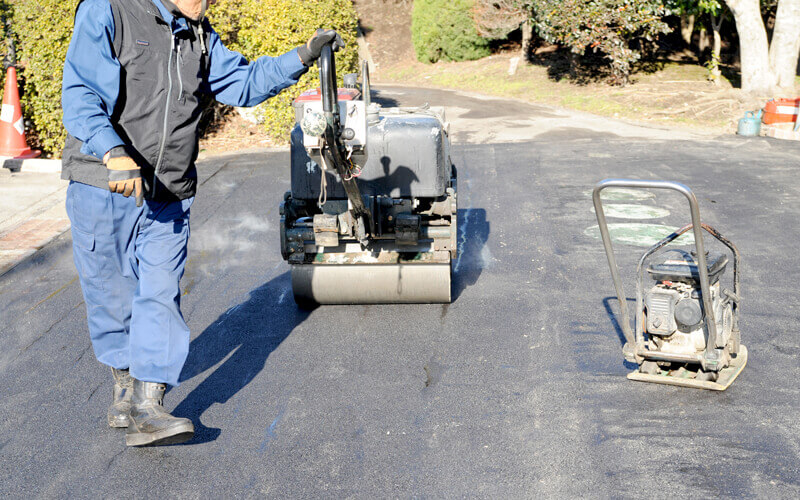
pixel 166 114
pixel 180 78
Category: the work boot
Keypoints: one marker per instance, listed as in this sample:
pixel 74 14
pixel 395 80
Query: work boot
pixel 150 423
pixel 120 408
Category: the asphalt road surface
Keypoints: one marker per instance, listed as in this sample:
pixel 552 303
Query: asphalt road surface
pixel 516 389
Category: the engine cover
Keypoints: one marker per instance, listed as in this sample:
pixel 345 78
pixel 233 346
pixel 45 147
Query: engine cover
pixel 674 318
pixel 407 156
pixel 660 303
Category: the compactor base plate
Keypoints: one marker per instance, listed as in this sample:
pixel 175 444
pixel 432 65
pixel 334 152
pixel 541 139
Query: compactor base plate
pixel 726 376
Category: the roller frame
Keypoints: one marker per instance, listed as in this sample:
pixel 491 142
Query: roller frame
pixel 367 265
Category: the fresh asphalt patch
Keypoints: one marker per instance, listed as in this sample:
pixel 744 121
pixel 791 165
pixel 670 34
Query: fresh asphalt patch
pixel 516 389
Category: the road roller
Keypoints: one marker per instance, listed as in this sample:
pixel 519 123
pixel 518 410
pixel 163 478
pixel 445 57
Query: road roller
pixel 687 323
pixel 371 216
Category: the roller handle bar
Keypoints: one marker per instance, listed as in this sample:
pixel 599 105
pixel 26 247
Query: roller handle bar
pixel 327 79
pixel 335 150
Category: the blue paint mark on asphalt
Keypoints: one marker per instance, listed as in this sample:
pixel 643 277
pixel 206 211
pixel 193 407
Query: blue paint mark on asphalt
pixel 270 432
pixel 250 483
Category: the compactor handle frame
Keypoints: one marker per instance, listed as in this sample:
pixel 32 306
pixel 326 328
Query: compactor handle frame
pixel 635 340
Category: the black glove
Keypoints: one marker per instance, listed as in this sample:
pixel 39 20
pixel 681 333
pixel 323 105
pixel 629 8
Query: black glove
pixel 310 51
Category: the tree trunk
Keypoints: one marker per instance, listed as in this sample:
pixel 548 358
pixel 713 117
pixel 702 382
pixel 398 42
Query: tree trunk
pixel 785 46
pixel 757 76
pixel 527 36
pixel 687 28
pixel 716 47
pixel 702 42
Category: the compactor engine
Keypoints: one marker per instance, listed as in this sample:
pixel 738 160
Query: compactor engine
pixel 674 310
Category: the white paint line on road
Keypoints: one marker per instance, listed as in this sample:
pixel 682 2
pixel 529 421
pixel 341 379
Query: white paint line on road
pixel 462 238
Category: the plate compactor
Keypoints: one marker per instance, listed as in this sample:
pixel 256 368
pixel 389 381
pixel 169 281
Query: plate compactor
pixel 371 215
pixel 687 324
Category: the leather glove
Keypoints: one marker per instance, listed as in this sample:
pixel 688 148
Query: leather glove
pixel 311 50
pixel 124 175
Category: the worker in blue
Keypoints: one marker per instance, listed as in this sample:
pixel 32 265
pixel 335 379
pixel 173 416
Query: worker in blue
pixel 134 77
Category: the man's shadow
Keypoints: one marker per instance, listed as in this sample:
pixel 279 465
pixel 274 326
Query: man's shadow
pixel 253 329
pixel 395 182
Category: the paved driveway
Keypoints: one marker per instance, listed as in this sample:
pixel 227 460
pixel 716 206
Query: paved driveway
pixel 516 389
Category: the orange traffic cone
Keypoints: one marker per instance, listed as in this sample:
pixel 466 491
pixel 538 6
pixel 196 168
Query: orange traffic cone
pixel 12 128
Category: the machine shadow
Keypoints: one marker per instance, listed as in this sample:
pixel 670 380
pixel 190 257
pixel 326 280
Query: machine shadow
pixel 251 331
pixel 612 316
pixel 473 233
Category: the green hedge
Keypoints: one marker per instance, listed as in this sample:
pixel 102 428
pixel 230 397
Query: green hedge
pixel 273 27
pixel 43 28
pixel 445 30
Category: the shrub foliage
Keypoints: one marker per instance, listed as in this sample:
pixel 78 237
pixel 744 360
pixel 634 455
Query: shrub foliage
pixel 445 30
pixel 273 27
pixel 607 26
pixel 42 30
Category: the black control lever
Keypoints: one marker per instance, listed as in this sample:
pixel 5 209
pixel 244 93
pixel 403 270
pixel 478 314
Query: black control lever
pixel 334 151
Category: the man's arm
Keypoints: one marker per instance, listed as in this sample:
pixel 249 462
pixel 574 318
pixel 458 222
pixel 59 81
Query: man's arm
pixel 234 81
pixel 90 86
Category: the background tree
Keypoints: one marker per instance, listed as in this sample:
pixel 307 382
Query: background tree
pixel 709 13
pixel 767 67
pixel 495 19
pixel 717 16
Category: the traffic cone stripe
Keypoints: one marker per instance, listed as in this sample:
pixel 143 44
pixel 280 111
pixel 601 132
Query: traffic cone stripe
pixel 12 125
pixel 7 114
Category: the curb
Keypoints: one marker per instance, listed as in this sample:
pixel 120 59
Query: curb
pixel 35 165
pixel 776 132
pixel 33 227
pixel 23 241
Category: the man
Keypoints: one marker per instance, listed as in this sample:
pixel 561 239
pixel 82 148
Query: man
pixel 133 79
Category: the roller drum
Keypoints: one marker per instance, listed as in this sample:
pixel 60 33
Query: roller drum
pixel 372 284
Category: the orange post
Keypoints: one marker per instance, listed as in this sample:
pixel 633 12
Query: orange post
pixel 12 127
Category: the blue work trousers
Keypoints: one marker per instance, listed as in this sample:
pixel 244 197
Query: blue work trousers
pixel 130 261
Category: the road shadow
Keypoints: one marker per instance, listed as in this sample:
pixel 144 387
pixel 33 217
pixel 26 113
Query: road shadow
pixel 248 333
pixel 473 233
pixel 612 316
pixel 384 100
